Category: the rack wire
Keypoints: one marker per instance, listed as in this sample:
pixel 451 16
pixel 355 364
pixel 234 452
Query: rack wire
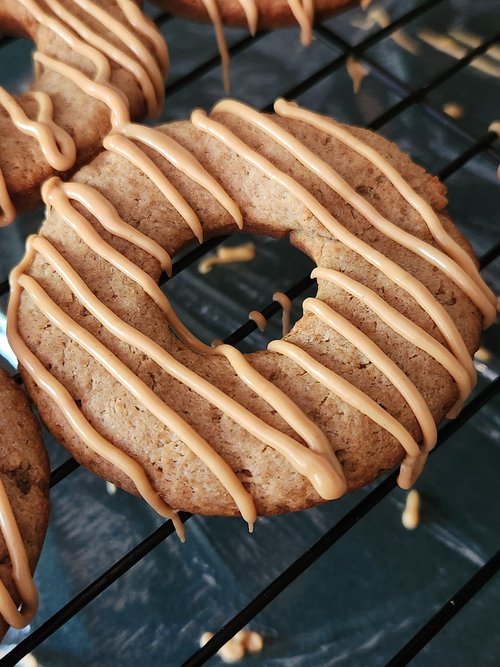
pixel 483 145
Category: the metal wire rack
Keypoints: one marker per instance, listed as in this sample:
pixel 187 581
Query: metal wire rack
pixel 482 145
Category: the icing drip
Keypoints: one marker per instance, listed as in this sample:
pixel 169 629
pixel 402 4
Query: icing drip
pixel 286 305
pixel 357 72
pixel 259 319
pixel 316 461
pixel 56 145
pixel 303 11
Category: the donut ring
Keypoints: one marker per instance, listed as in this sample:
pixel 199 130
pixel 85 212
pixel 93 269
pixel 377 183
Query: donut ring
pixel 380 356
pixel 96 66
pixel 24 504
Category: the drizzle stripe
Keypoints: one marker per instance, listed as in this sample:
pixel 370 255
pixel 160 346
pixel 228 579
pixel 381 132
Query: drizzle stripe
pixel 283 405
pixel 104 92
pixel 146 27
pixel 56 194
pixel 428 215
pixel 127 37
pixel 405 327
pixel 113 52
pixel 389 268
pixel 333 179
pixel 57 146
pixel 348 393
pixel 122 146
pixel 185 162
pixel 384 364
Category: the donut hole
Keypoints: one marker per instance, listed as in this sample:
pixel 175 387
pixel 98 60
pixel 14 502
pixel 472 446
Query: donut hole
pixel 215 304
pixel 16 66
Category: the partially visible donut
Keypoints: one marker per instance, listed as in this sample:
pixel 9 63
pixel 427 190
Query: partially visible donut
pixel 96 65
pixel 24 504
pixel 256 14
pixel 380 356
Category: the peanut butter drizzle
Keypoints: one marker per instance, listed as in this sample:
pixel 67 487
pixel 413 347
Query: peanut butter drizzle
pixel 393 271
pixel 56 145
pixel 381 361
pixel 182 160
pixel 286 305
pixel 259 319
pixel 228 255
pixel 20 569
pixel 303 11
pixel 406 328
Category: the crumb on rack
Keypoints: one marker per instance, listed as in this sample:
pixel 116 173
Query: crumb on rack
pixel 453 110
pixel 235 649
pixel 224 255
pixel 411 514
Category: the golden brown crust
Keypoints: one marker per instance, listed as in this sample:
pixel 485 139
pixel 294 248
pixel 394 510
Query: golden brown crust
pixel 24 471
pixel 85 119
pixel 272 13
pixel 181 478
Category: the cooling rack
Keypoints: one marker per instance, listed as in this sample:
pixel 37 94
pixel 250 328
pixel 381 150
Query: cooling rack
pixel 476 143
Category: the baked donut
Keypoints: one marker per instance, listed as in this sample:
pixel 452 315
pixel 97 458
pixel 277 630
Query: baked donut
pixel 24 505
pixel 96 66
pixel 256 14
pixel 382 353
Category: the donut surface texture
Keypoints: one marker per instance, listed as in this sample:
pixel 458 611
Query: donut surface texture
pixel 216 431
pixel 97 64
pixel 24 503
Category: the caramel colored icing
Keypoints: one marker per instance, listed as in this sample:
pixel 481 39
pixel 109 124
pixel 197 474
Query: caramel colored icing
pixel 312 455
pixel 56 145
pixel 303 11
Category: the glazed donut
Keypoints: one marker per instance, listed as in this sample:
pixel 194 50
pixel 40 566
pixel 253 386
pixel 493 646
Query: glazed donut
pixel 382 353
pixel 96 66
pixel 24 505
pixel 256 14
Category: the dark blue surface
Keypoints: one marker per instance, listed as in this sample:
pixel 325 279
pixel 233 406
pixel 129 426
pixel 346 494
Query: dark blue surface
pixel 364 599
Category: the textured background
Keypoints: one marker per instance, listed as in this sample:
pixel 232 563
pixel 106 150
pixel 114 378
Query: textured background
pixel 362 600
